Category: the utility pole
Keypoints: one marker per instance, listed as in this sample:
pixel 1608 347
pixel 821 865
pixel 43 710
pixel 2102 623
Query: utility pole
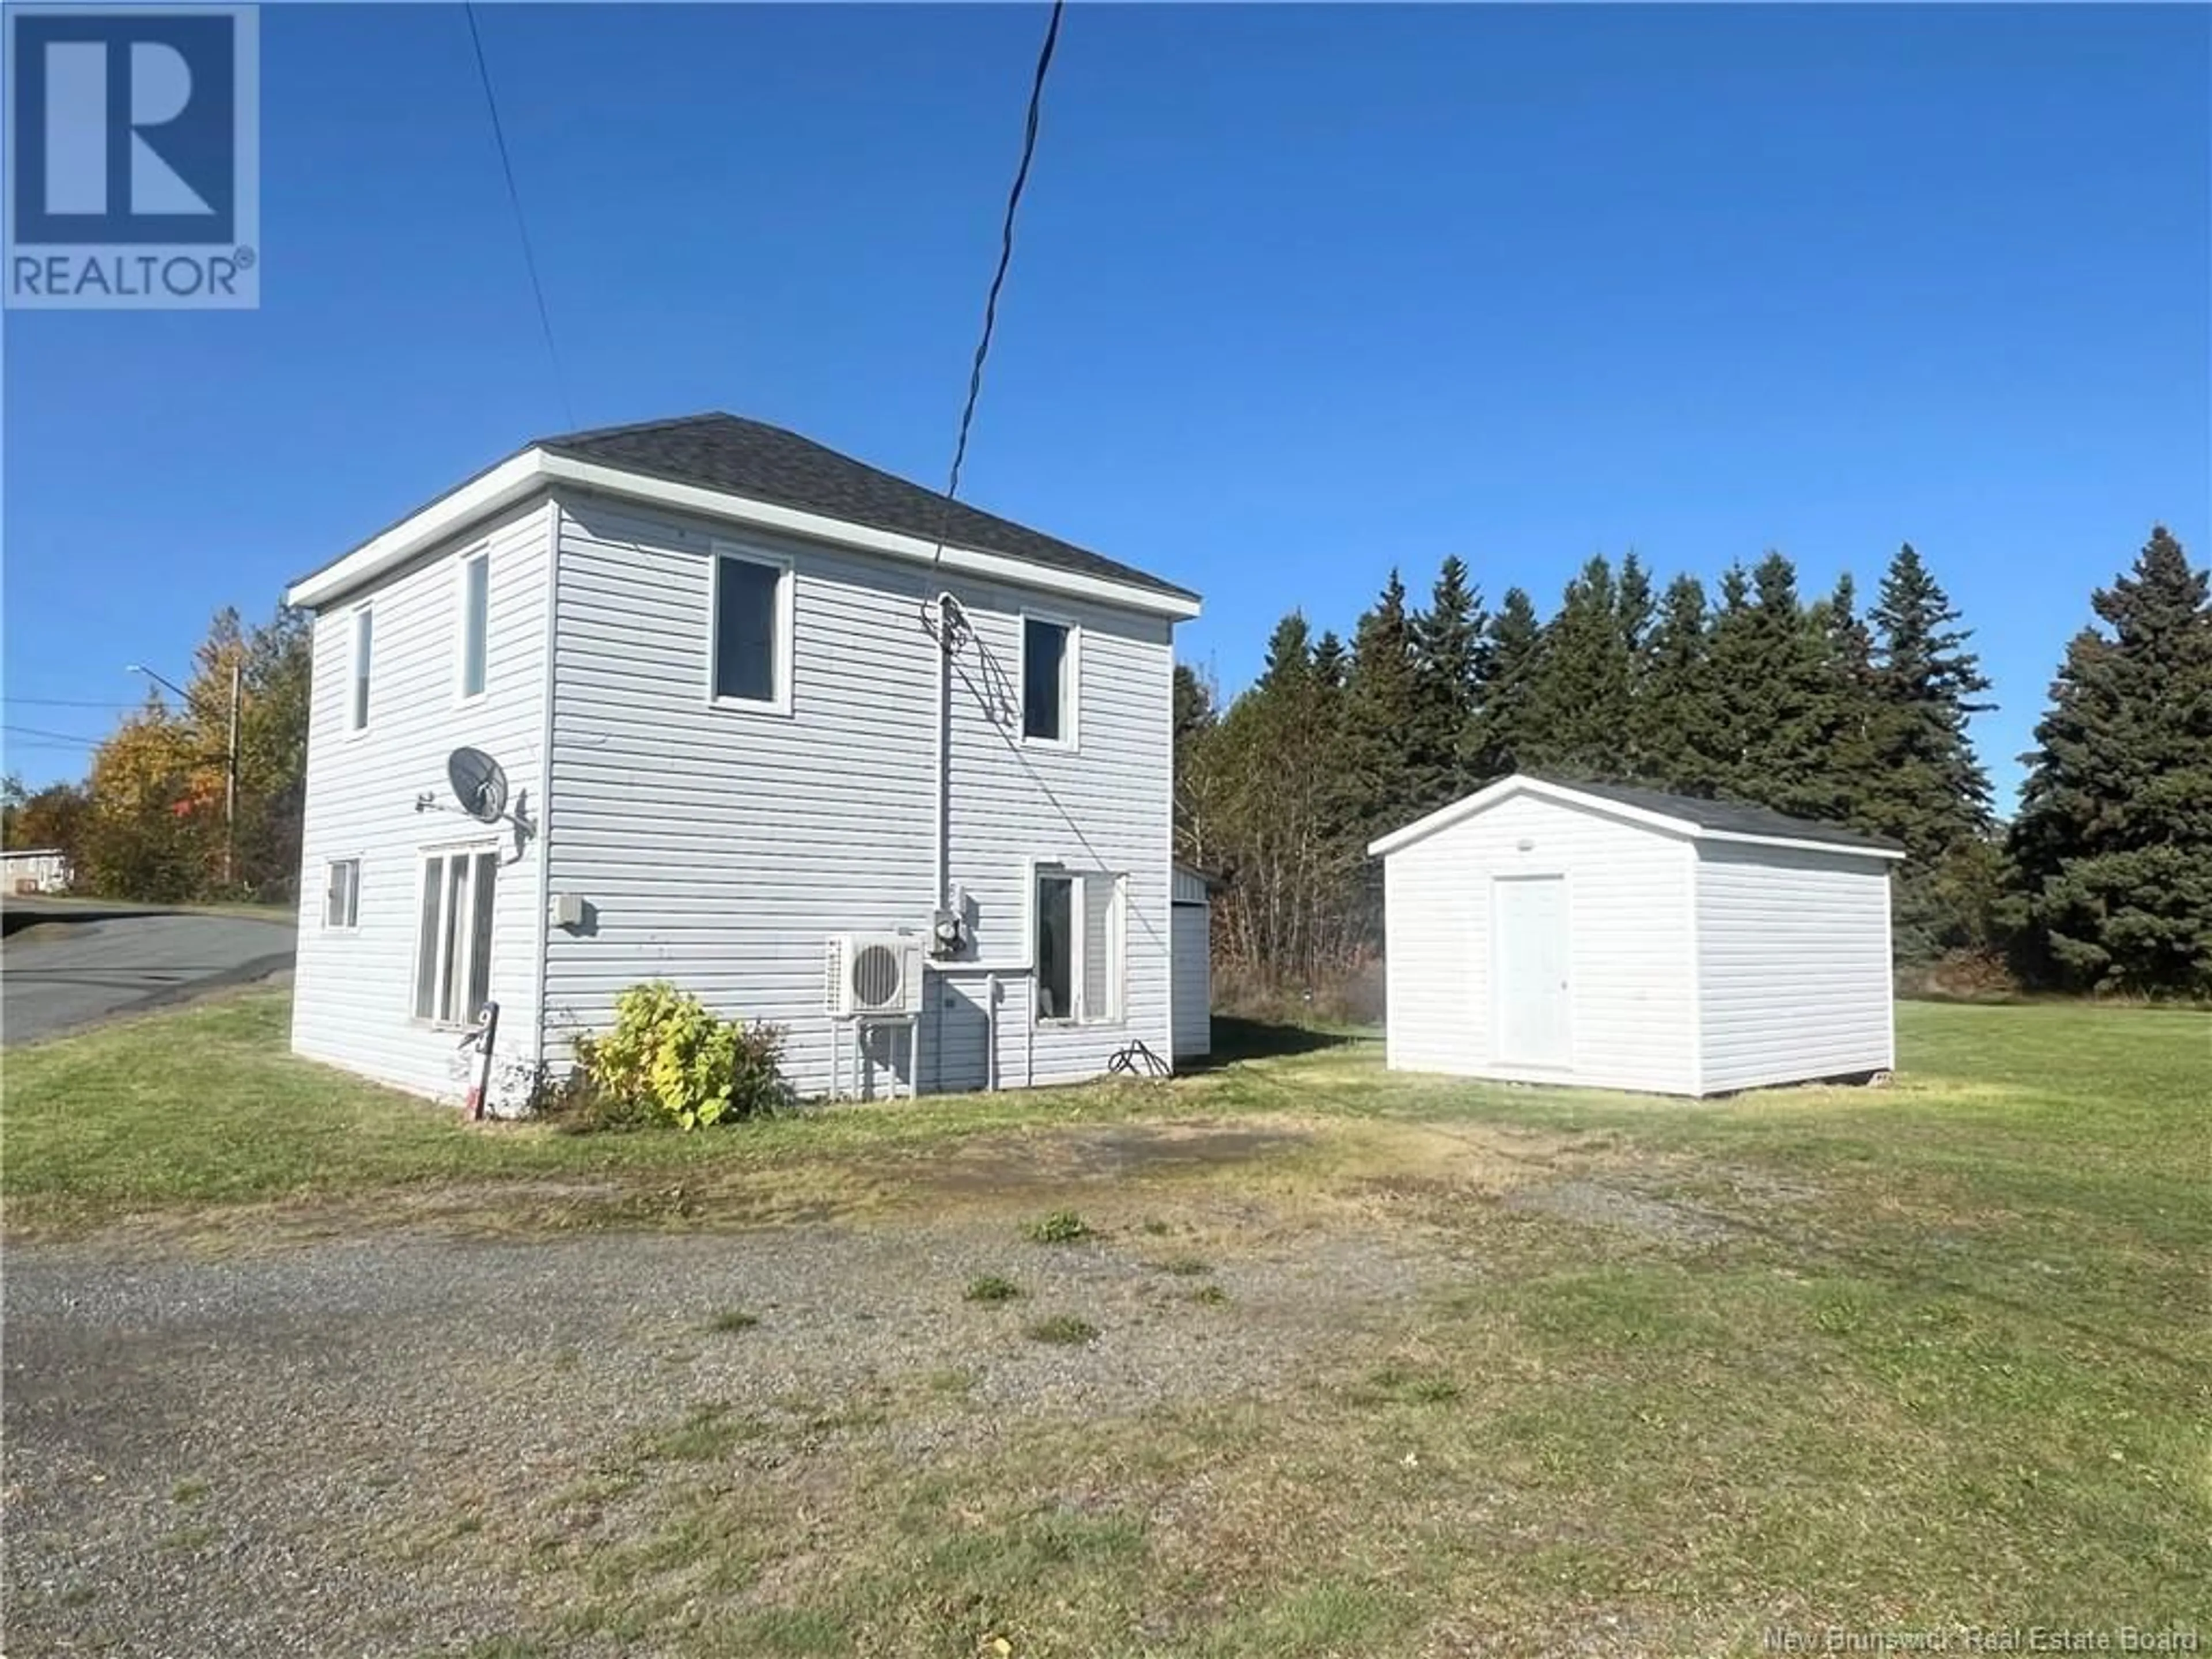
pixel 230 753
pixel 230 778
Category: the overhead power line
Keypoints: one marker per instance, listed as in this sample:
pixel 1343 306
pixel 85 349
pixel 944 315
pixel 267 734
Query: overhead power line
pixel 1006 259
pixel 33 731
pixel 521 225
pixel 65 702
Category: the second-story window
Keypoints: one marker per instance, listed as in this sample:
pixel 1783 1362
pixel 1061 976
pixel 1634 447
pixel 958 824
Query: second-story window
pixel 751 644
pixel 475 600
pixel 364 634
pixel 1048 680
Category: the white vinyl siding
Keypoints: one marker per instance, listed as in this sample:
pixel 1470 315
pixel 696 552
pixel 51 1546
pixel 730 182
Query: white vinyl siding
pixel 474 632
pixel 1193 984
pixel 719 852
pixel 1794 962
pixel 1630 1005
pixel 353 1001
pixel 342 893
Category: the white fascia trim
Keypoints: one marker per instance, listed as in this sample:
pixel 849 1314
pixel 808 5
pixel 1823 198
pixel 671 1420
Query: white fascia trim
pixel 505 484
pixel 1444 816
pixel 535 468
pixel 1889 852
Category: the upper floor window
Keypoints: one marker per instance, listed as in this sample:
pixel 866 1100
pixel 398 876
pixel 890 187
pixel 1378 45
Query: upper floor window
pixel 1048 680
pixel 751 644
pixel 475 600
pixel 364 635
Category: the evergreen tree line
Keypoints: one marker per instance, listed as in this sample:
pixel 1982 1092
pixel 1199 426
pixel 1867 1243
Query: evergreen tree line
pixel 1751 692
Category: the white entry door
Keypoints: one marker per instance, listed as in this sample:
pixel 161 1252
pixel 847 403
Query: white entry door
pixel 1528 967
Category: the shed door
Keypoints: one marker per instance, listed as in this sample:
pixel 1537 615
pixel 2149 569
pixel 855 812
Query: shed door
pixel 1529 958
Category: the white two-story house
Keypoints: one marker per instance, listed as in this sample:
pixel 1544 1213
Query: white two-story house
pixel 748 697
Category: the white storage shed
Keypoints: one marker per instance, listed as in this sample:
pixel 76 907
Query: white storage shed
pixel 1619 937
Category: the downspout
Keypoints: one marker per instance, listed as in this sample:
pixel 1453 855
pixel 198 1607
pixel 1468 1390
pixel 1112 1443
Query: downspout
pixel 991 1034
pixel 941 872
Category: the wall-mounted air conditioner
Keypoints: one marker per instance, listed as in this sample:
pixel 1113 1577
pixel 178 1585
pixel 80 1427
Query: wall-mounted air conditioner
pixel 872 974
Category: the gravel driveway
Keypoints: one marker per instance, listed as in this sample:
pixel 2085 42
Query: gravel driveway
pixel 264 1456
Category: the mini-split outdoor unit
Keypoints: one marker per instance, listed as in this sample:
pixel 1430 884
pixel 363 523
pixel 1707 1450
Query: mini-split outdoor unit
pixel 872 974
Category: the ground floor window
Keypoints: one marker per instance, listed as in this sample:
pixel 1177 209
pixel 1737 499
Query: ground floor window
pixel 342 893
pixel 452 950
pixel 1079 946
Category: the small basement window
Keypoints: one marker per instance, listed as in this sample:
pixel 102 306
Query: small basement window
pixel 475 623
pixel 1048 679
pixel 452 949
pixel 751 647
pixel 342 893
pixel 1081 929
pixel 364 634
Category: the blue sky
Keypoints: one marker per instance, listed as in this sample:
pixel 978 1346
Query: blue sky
pixel 1301 294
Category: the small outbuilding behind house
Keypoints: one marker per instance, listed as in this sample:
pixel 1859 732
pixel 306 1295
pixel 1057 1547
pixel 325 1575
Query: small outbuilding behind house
pixel 1597 934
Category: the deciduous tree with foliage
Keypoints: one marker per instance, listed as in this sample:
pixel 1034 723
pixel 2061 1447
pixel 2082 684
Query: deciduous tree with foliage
pixel 2113 842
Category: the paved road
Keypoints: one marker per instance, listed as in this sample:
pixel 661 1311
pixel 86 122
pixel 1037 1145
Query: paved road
pixel 63 966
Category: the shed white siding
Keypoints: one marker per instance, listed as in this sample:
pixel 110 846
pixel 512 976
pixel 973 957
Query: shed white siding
pixel 716 847
pixel 353 997
pixel 1194 979
pixel 1632 1011
pixel 1793 963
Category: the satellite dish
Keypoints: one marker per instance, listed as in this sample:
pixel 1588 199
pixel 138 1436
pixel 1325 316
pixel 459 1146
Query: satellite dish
pixel 479 784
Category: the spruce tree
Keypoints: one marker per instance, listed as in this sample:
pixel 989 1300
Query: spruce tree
pixel 2113 841
pixel 1450 660
pixel 1580 700
pixel 1676 716
pixel 1496 743
pixel 1931 791
pixel 1792 708
pixel 1925 788
pixel 1329 662
pixel 1855 715
pixel 1735 667
pixel 1376 791
pixel 1381 701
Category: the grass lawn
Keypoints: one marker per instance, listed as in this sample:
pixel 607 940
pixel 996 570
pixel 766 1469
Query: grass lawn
pixel 1676 1374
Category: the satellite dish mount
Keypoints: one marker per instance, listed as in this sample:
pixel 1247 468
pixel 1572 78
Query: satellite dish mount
pixel 479 785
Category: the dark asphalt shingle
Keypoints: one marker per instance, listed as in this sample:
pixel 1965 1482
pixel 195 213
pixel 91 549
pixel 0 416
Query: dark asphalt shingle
pixel 751 457
pixel 1731 817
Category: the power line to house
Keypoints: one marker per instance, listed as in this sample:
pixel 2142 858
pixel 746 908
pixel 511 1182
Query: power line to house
pixel 20 732
pixel 1006 259
pixel 522 224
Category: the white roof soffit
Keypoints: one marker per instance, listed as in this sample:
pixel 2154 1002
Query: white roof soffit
pixel 1444 816
pixel 514 479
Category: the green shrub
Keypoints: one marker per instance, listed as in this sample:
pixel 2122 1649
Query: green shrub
pixel 992 1288
pixel 670 1057
pixel 1063 1328
pixel 1060 1227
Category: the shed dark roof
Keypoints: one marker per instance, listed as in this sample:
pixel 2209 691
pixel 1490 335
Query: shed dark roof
pixel 751 457
pixel 1727 816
